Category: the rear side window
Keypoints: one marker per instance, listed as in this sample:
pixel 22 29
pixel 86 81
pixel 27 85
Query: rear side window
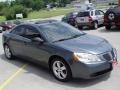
pixel 97 12
pixel 19 31
pixel 83 14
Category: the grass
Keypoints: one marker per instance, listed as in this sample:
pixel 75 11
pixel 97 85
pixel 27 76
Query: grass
pixel 2 18
pixel 47 14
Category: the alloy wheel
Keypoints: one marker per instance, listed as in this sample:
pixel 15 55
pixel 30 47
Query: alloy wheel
pixel 59 70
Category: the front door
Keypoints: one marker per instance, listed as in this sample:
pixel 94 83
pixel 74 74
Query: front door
pixel 35 50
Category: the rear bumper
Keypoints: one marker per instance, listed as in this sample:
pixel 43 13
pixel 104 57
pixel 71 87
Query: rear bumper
pixel 89 71
pixel 112 23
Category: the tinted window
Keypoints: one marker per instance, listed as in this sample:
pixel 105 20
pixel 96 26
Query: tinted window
pixel 83 14
pixel 97 12
pixel 31 32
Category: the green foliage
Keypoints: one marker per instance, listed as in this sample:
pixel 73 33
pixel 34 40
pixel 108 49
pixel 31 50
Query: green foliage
pixel 10 12
pixel 38 4
pixel 10 9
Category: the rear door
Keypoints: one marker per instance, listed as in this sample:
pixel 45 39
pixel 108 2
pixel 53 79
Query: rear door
pixel 17 40
pixel 83 17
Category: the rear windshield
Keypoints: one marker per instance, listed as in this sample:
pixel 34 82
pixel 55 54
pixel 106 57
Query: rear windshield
pixel 83 14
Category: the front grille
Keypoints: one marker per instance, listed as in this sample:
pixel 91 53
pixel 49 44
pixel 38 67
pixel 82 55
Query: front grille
pixel 102 72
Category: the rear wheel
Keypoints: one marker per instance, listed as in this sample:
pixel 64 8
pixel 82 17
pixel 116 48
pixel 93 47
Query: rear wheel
pixel 8 52
pixel 107 27
pixel 60 70
pixel 95 25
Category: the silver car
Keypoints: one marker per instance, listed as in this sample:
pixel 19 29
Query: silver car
pixel 91 18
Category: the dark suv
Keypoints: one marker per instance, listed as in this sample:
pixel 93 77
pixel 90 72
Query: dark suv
pixel 112 18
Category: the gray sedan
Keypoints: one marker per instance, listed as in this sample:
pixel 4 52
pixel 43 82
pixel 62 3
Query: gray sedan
pixel 65 50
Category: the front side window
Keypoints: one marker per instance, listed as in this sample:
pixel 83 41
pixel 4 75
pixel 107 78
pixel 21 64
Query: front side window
pixel 31 32
pixel 97 12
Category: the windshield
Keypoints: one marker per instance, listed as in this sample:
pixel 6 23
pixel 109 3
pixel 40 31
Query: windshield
pixel 59 31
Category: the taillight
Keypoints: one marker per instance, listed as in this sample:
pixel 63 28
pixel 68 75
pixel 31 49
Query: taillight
pixel 90 19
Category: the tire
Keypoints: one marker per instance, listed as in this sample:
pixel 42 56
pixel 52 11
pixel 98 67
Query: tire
pixel 77 26
pixel 60 70
pixel 8 53
pixel 95 25
pixel 80 27
pixel 107 27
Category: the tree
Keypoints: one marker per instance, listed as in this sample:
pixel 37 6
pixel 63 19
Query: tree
pixel 26 3
pixel 38 4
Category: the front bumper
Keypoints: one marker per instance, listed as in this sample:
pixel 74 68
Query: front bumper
pixel 89 71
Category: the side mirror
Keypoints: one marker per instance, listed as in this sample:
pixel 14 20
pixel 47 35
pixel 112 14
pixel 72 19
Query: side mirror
pixel 38 39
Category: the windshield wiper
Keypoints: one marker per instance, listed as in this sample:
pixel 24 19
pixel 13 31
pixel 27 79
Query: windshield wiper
pixel 62 39
pixel 75 36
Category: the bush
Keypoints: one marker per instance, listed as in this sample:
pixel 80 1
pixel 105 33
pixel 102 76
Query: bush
pixel 10 13
pixel 20 9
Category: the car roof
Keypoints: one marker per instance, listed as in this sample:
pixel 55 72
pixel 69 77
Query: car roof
pixel 39 22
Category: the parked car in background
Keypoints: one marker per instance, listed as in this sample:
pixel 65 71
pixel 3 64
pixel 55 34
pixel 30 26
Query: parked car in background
pixel 112 18
pixel 90 18
pixel 0 29
pixel 7 25
pixel 70 18
pixel 18 22
pixel 65 50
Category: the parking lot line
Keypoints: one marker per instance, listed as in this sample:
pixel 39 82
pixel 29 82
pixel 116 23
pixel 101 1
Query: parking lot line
pixel 7 81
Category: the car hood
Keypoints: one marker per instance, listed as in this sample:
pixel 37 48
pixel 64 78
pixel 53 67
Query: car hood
pixel 85 44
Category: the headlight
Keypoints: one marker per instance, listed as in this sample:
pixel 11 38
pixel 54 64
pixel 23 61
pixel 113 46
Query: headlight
pixel 87 58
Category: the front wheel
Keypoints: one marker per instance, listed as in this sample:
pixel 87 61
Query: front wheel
pixel 60 70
